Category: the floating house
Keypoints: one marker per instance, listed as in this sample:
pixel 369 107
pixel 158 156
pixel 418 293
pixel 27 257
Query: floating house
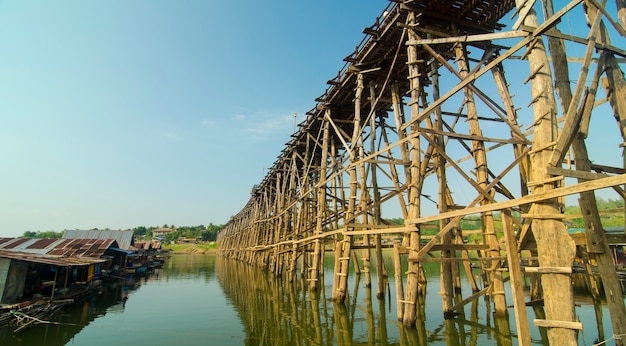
pixel 53 268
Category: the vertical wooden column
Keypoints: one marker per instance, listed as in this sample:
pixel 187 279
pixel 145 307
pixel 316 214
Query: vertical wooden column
pixel 279 228
pixel 615 87
pixel 595 234
pixel 515 272
pixel 555 247
pixel 293 216
pixel 414 184
pixel 445 268
pixel 363 201
pixel 482 175
pixel 342 252
pixel 377 214
pixel 404 152
pixel 398 115
pixel 316 258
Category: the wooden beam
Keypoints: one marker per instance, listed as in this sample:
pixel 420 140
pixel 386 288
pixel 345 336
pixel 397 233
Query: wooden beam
pixel 557 171
pixel 473 76
pixel 558 192
pixel 469 38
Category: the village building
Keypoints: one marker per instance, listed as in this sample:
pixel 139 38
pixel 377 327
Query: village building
pixel 160 233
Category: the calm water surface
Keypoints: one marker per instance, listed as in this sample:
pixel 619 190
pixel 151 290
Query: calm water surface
pixel 208 300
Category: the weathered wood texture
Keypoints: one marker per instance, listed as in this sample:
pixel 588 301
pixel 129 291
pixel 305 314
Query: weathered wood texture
pixel 441 115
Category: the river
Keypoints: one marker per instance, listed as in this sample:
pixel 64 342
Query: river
pixel 209 300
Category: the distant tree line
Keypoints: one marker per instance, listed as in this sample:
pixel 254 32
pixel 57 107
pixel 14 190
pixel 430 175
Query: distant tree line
pixel 209 233
pixel 39 234
pixel 204 233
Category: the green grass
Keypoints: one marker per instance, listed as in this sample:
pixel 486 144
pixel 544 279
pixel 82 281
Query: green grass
pixel 191 248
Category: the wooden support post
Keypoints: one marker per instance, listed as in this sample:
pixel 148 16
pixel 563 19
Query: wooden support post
pixel 515 274
pixel 381 275
pixel 595 235
pixel 397 269
pixel 414 184
pixel 482 176
pixel 555 247
pixel 341 284
pixel 321 208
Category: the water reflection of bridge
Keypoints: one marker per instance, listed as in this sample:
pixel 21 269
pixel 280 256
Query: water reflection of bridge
pixel 425 121
pixel 274 311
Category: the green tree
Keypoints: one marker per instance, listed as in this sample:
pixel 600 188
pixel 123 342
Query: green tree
pixel 46 234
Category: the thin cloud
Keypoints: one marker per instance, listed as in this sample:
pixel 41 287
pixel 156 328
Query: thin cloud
pixel 208 124
pixel 263 125
pixel 171 136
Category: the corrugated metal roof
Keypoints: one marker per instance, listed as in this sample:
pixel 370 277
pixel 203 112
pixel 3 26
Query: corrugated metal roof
pixel 82 247
pixel 51 260
pixel 124 238
pixel 60 247
pixel 16 243
pixel 29 245
pixel 42 243
pixel 5 240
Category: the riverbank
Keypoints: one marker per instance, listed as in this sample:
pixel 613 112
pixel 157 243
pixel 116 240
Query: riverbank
pixel 195 249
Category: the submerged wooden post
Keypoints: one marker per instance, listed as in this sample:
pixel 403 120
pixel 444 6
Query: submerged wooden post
pixel 317 258
pixel 342 256
pixel 376 200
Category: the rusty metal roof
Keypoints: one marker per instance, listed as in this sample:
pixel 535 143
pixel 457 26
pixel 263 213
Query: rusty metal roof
pixel 51 260
pixel 58 247
pixel 124 238
pixel 15 243
pixel 82 247
pixel 29 245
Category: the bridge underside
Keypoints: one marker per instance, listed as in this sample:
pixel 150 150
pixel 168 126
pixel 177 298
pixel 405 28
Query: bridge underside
pixel 443 117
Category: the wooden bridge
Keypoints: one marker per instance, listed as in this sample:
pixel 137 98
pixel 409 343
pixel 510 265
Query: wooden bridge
pixel 443 114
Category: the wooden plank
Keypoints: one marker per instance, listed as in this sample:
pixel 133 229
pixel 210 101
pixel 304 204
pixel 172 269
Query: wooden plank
pixel 460 247
pixel 570 173
pixel 456 259
pixel 558 324
pixel 544 216
pixel 469 38
pixel 548 270
pixel 474 138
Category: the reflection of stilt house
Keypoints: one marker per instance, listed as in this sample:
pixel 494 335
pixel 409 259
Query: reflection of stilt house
pixel 52 268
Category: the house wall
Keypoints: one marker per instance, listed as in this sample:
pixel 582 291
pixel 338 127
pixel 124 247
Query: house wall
pixel 14 280
pixel 5 264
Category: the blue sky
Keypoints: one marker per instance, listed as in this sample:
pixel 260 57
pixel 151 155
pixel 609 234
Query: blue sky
pixel 127 113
